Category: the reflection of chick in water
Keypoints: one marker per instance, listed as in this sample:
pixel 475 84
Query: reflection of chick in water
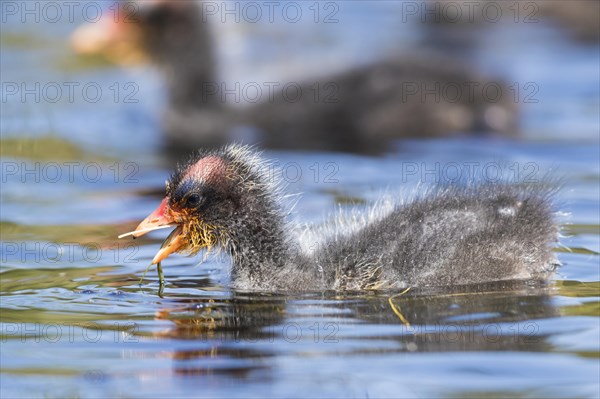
pixel 359 110
pixel 494 317
pixel 241 317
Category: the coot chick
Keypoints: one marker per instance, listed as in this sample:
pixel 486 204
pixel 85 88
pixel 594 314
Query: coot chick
pixel 358 110
pixel 228 199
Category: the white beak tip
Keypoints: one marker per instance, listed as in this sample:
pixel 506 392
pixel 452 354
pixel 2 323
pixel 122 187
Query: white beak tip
pixel 144 231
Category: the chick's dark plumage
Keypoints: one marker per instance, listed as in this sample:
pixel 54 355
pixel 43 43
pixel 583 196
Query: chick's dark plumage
pixel 449 236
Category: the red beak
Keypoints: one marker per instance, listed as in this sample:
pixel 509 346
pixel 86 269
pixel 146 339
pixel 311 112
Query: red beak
pixel 161 218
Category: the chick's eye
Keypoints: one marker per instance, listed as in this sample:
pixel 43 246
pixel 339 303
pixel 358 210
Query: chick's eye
pixel 193 200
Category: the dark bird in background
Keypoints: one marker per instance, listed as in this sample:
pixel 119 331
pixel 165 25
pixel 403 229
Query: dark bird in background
pixel 579 19
pixel 360 110
pixel 227 199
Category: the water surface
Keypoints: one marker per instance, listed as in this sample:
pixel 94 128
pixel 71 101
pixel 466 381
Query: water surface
pixel 76 323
